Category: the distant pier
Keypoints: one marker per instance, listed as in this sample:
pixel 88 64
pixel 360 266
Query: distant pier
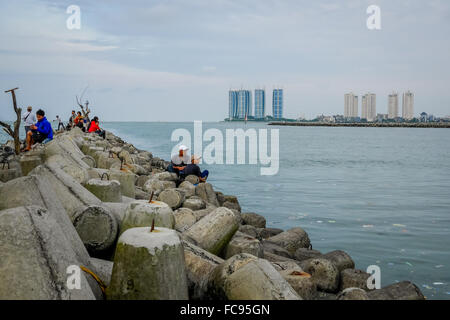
pixel 380 125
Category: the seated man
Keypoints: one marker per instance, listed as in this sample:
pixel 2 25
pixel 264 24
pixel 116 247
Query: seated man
pixel 39 132
pixel 93 127
pixel 194 169
pixel 179 161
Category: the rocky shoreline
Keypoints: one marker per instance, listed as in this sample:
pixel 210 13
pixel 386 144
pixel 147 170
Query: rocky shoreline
pixel 82 201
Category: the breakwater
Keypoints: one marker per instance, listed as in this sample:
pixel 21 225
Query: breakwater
pixel 94 194
pixel 370 125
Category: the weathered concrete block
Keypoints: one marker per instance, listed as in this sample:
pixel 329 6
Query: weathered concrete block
pixel 242 243
pixel 274 248
pixel 172 197
pixel 149 266
pixel 165 176
pixel 200 214
pixel 206 192
pixel 141 213
pixel 266 233
pixel 141 180
pixel 276 258
pixel 306 253
pixel 231 202
pixel 199 267
pixel 194 204
pixel 353 278
pixel 404 290
pixel 105 190
pixel 246 277
pixel 97 227
pixel 69 166
pixel 253 219
pixel 301 282
pixel 188 187
pixel 104 160
pixel 70 193
pixel 353 294
pixel 32 243
pixel 184 219
pixel 9 174
pixel 28 163
pixel 250 230
pixel 292 239
pixel 33 190
pixel 232 205
pixel 220 197
pixel 340 259
pixel 323 273
pixel 127 199
pixel 192 179
pixel 214 231
pixel 141 194
pixel 126 182
pixel 117 208
pixel 157 186
pixel 125 155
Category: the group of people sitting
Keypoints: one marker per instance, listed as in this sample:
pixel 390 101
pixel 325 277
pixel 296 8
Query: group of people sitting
pixel 39 130
pixel 77 120
pixel 183 165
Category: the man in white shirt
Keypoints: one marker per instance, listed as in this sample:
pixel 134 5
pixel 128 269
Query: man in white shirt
pixel 29 119
pixel 180 160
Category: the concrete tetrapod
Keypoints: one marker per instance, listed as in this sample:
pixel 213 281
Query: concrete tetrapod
pixel 173 197
pixel 63 187
pixel 246 277
pixel 404 290
pixel 126 180
pixel 35 257
pixel 206 192
pixel 353 294
pixel 37 190
pixel 242 243
pixel 323 273
pixel 105 190
pixel 199 266
pixel 148 266
pixel 97 227
pixel 214 231
pixel 140 213
pixel 291 239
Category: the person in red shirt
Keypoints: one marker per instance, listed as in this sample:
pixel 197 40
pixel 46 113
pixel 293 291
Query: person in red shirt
pixel 94 127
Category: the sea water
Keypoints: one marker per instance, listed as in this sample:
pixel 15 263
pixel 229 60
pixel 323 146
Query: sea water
pixel 380 194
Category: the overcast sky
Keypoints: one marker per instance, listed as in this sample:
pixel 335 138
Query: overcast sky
pixel 175 60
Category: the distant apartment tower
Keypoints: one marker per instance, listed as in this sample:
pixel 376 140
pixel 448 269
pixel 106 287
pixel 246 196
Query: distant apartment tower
pixel 232 104
pixel 369 107
pixel 408 106
pixel 244 106
pixel 393 106
pixel 277 103
pixel 260 103
pixel 350 106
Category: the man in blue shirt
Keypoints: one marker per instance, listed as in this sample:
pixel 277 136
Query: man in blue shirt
pixel 41 131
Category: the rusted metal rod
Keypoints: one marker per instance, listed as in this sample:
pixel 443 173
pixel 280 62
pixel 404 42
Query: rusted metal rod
pixel 153 226
pixel 151 197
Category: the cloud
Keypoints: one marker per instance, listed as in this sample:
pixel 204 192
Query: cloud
pixel 169 53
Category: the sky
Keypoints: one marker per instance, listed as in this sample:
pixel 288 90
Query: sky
pixel 175 60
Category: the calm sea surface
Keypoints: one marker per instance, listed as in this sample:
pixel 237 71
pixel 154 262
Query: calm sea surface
pixel 380 194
